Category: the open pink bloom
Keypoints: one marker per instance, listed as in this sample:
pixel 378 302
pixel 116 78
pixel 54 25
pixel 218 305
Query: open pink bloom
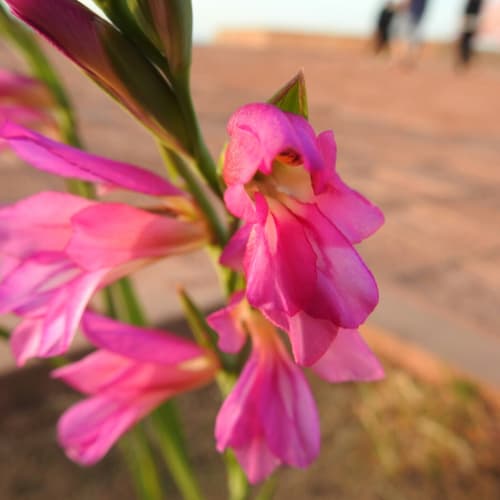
pixel 133 372
pixel 25 100
pixel 300 224
pixel 270 417
pixel 57 249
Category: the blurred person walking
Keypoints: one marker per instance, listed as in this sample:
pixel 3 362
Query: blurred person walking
pixel 415 13
pixel 384 27
pixel 470 24
pixel 385 23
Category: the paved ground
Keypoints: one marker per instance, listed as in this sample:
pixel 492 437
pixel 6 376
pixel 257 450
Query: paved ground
pixel 423 144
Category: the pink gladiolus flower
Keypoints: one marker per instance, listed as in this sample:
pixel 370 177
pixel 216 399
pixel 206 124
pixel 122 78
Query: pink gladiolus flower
pixel 133 372
pixel 300 223
pixel 20 89
pixel 57 249
pixel 270 417
pixel 25 100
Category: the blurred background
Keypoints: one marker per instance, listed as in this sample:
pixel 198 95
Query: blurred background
pixel 411 90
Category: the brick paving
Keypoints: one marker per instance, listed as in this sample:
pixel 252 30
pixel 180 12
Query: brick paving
pixel 423 144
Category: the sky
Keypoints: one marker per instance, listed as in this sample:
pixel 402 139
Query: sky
pixel 354 17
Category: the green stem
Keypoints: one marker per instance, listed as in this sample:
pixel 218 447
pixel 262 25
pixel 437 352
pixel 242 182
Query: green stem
pixel 173 449
pixel 123 303
pixel 203 158
pixel 268 489
pixel 237 482
pixel 4 333
pixel 173 160
pixel 141 464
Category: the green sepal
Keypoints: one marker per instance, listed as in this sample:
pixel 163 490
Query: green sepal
pixel 292 97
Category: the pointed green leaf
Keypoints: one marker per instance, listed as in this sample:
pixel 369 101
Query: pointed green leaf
pixel 292 97
pixel 204 335
pixel 142 465
pixel 165 428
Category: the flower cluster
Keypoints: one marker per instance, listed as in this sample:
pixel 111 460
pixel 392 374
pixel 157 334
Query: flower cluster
pixel 303 289
pixel 303 276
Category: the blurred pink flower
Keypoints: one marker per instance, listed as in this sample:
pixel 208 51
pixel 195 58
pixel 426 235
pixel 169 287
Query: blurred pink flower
pixel 133 372
pixel 300 222
pixel 270 417
pixel 25 101
pixel 57 249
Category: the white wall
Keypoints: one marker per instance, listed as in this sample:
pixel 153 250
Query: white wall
pixel 327 16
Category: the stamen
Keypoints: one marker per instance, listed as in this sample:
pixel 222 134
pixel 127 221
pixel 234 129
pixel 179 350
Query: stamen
pixel 289 157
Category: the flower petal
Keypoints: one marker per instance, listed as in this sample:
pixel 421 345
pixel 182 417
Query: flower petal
pixel 239 203
pixel 234 252
pixel 140 344
pixel 310 337
pixel 94 372
pixel 25 340
pixel 64 312
pixel 348 359
pixel 31 277
pixel 259 134
pixel 66 161
pixel 227 323
pixel 21 89
pixel 270 411
pixel 352 213
pixel 110 234
pixel 290 415
pixel 346 290
pixel 90 428
pixel 38 223
pixel 257 460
